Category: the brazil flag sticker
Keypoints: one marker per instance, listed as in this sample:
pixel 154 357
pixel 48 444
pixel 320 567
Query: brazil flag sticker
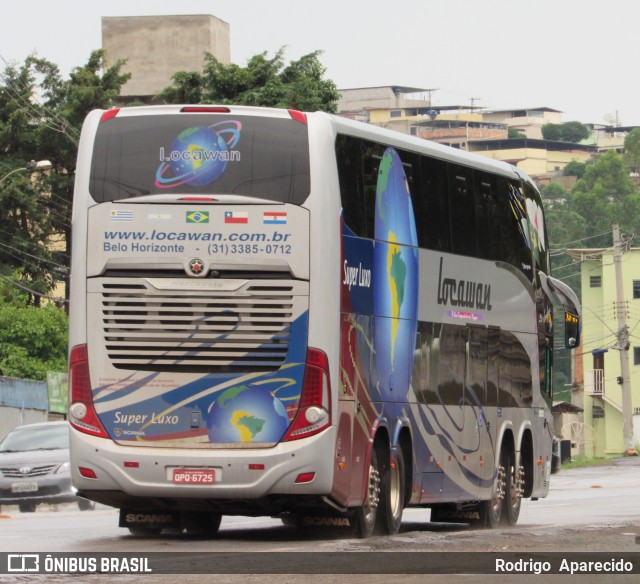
pixel 197 217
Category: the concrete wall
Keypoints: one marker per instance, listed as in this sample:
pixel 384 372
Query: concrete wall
pixel 384 97
pixel 530 125
pixel 156 47
pixel 22 402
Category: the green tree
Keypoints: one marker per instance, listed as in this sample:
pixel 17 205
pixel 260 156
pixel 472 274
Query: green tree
pixel 553 194
pixel 574 132
pixel 33 340
pixel 24 221
pixel 603 196
pixel 575 168
pixel 566 132
pixel 37 208
pixel 263 82
pixel 552 132
pixel 632 150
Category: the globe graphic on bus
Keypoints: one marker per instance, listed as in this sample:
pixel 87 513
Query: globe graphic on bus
pixel 395 293
pixel 247 414
pixel 198 156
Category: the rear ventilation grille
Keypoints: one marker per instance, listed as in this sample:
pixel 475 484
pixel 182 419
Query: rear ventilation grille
pixel 232 326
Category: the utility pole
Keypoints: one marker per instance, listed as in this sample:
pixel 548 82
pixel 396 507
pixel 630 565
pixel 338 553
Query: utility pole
pixel 623 346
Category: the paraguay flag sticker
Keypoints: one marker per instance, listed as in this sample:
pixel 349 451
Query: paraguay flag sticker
pixel 274 218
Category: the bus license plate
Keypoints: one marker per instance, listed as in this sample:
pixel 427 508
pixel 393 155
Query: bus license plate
pixel 24 487
pixel 194 476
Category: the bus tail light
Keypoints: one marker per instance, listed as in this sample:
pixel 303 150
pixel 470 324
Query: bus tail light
pixel 205 109
pixel 109 114
pixel 82 413
pixel 298 116
pixel 314 410
pixel 87 473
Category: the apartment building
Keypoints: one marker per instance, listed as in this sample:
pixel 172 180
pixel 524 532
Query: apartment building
pixel 601 394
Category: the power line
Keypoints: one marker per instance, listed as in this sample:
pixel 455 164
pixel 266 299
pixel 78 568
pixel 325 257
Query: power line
pixel 40 259
pixel 563 245
pixel 25 288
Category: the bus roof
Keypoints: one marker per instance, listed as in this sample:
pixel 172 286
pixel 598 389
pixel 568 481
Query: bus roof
pixel 400 140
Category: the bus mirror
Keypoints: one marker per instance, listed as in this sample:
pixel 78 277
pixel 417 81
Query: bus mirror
pixel 571 330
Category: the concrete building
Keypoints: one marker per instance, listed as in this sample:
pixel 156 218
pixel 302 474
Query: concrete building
pixel 458 129
pixel 156 47
pixel 540 159
pixel 610 137
pixel 356 103
pixel 602 429
pixel 528 122
pixel 409 110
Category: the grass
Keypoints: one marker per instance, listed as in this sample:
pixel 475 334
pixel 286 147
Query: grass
pixel 581 461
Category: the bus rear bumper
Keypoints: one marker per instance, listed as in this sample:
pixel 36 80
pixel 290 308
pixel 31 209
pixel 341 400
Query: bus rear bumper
pixel 135 475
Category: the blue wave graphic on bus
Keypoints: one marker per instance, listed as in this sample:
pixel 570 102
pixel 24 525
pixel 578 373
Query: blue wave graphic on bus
pixel 240 408
pixel 199 156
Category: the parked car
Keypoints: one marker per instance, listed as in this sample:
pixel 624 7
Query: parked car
pixel 35 467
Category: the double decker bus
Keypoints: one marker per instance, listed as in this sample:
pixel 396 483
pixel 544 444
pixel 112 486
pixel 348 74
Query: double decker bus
pixel 301 316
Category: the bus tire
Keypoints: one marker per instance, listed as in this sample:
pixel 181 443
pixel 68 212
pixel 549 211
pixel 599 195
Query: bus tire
pixel 513 492
pixel 491 510
pixel 393 489
pixel 367 514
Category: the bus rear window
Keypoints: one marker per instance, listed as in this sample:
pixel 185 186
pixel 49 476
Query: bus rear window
pixel 253 156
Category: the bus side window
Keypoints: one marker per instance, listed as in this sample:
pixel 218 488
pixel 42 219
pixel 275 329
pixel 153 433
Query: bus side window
pixel 538 228
pixel 462 206
pixel 487 216
pixel 513 229
pixel 349 159
pixel 431 202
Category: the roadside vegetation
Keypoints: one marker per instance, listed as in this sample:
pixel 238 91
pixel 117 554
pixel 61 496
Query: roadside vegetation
pixel 581 461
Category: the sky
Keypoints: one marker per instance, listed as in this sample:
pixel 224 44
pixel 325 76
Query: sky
pixel 576 56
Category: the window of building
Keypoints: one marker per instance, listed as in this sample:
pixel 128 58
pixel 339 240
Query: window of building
pixel 636 288
pixel 395 114
pixel 595 281
pixel 636 355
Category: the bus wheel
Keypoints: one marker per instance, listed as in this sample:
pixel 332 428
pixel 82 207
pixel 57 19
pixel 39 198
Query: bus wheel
pixel 196 523
pixel 367 514
pixel 491 510
pixel 513 492
pixel 393 493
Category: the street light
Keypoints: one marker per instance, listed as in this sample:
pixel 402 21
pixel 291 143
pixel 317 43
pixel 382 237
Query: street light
pixel 39 166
